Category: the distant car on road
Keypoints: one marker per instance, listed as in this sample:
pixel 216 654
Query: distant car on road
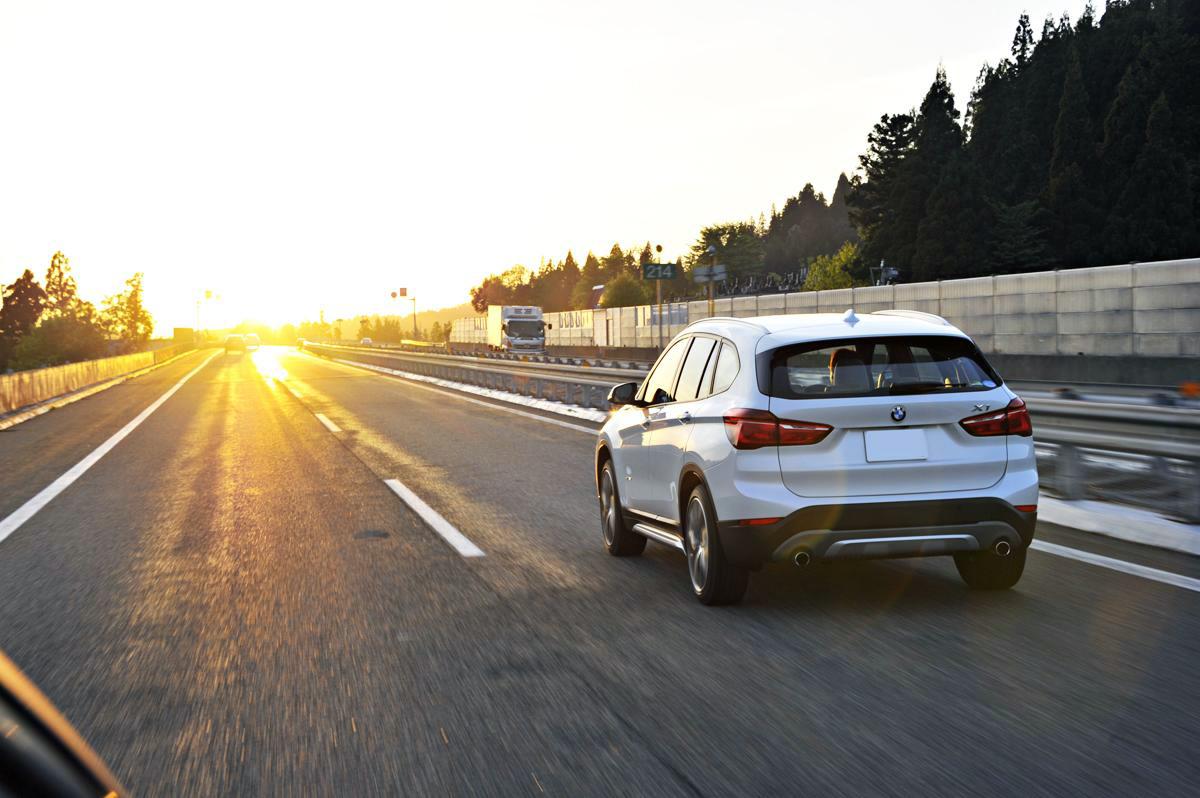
pixel 252 341
pixel 366 342
pixel 819 437
pixel 235 343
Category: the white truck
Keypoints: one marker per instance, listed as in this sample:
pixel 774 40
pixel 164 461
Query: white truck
pixel 506 328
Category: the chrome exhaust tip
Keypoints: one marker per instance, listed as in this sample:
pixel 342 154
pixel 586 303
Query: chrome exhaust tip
pixel 1002 548
pixel 802 559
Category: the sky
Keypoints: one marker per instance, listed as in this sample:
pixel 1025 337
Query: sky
pixel 299 157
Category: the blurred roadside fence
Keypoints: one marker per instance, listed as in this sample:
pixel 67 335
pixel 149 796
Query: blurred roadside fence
pixel 24 388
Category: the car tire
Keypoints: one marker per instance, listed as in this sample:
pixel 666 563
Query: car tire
pixel 619 539
pixel 714 579
pixel 983 570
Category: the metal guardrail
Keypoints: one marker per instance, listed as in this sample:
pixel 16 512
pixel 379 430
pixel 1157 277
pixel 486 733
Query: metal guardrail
pixel 440 350
pixel 580 391
pixel 1130 454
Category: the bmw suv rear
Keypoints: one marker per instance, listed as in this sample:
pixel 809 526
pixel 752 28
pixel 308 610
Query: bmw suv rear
pixel 815 437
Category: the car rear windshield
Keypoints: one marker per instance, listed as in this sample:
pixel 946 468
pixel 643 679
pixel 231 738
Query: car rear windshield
pixel 882 366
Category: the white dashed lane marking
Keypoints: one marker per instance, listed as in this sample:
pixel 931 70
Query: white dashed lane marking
pixel 457 540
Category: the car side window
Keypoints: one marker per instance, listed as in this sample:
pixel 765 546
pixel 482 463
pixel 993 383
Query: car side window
pixel 663 376
pixel 693 371
pixel 727 368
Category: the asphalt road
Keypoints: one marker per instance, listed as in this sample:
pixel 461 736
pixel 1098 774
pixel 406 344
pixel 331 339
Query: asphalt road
pixel 232 602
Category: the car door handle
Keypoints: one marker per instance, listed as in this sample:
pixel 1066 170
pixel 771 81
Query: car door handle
pixel 646 422
pixel 685 417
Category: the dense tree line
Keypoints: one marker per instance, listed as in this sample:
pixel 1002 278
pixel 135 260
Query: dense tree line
pixel 50 324
pixel 807 228
pixel 1082 148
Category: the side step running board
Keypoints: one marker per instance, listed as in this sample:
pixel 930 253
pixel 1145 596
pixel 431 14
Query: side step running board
pixel 660 535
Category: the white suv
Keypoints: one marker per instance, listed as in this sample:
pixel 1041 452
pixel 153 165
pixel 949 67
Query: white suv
pixel 807 437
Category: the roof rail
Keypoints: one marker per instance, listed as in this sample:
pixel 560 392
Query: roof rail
pixel 747 322
pixel 913 314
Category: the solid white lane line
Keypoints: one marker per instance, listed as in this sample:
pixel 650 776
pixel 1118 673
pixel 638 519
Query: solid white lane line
pixel 457 540
pixel 329 425
pixel 1145 572
pixel 30 508
pixel 458 395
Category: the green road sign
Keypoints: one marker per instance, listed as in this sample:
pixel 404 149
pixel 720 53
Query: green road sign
pixel 659 271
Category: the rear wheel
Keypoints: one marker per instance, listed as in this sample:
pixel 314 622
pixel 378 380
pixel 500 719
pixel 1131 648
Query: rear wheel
pixel 714 579
pixel 984 570
pixel 619 540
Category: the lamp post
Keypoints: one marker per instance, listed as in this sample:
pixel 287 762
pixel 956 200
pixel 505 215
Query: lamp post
pixel 403 292
pixel 205 296
pixel 658 298
pixel 712 253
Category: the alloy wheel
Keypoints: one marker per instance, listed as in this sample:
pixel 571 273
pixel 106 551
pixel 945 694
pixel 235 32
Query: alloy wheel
pixel 696 530
pixel 608 508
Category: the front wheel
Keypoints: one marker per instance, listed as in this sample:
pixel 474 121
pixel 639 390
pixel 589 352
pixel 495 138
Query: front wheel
pixel 619 540
pixel 714 579
pixel 984 570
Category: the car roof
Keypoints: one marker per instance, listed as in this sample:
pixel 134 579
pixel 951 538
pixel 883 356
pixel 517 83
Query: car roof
pixel 781 329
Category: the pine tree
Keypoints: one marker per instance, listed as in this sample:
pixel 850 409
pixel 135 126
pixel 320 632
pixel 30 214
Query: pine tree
pixel 1125 123
pixel 62 299
pixel 591 275
pixel 872 196
pixel 1022 44
pixel 938 142
pixel 1075 217
pixel 614 264
pixel 1154 218
pixel 952 236
pixel 841 229
pixel 125 315
pixel 1017 239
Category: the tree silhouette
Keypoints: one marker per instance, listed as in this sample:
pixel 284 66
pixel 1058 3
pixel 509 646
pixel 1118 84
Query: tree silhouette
pixel 24 300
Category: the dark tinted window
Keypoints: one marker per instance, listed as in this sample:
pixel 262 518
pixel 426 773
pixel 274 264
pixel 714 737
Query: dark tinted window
pixel 693 370
pixel 901 365
pixel 727 368
pixel 663 376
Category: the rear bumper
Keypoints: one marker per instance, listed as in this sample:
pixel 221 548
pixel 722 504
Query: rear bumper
pixel 879 530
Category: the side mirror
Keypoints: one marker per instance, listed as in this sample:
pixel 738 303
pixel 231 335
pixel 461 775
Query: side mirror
pixel 40 753
pixel 623 394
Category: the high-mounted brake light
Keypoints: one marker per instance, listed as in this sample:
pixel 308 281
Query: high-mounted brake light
pixel 754 429
pixel 1012 420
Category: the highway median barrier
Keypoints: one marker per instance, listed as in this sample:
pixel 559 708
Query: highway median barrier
pixel 24 389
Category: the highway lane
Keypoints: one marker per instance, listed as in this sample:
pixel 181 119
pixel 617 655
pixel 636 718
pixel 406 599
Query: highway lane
pixel 865 678
pixel 34 455
pixel 214 605
pixel 229 603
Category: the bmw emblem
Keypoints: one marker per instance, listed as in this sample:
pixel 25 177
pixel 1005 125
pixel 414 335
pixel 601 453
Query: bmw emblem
pixel 898 413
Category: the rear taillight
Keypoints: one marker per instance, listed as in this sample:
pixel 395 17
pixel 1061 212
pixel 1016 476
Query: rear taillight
pixel 754 429
pixel 1012 420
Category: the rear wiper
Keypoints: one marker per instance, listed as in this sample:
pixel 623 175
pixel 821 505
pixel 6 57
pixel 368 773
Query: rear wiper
pixel 915 387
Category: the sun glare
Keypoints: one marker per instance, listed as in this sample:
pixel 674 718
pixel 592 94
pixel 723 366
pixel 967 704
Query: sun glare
pixel 266 361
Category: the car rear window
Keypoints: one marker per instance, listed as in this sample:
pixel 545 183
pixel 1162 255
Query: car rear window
pixel 881 366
